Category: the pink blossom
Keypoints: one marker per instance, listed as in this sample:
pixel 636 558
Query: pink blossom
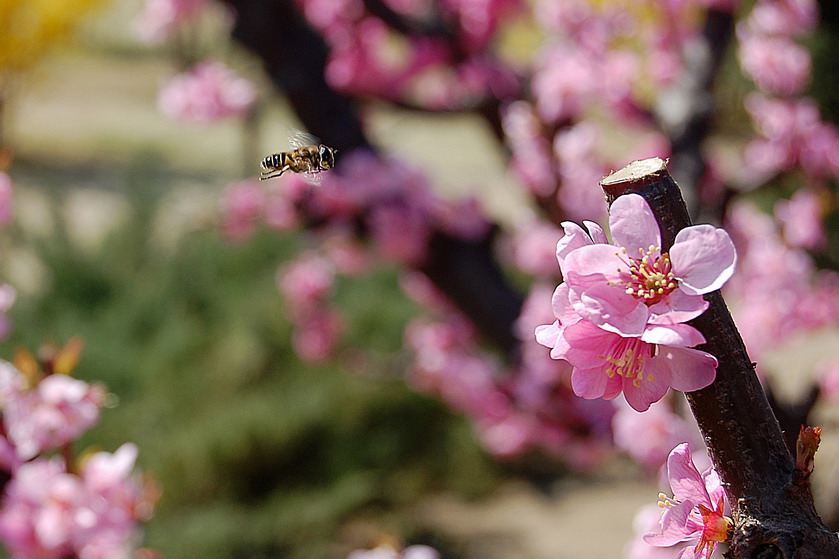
pixel 623 290
pixel 565 81
pixel 160 18
pixel 50 513
pixel 242 205
pixel 56 411
pixel 316 334
pixel 306 282
pixel 772 303
pixel 579 168
pixel 792 133
pixel 786 18
pixel 479 20
pixel 648 437
pixel 619 317
pixel 646 519
pixel 207 93
pixel 533 250
pixel 776 64
pixel 6 199
pixel 801 218
pixel 696 511
pixel 643 368
pixel 531 152
pixel 464 219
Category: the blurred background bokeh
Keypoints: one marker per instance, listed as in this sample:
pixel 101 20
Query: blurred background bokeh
pixel 272 441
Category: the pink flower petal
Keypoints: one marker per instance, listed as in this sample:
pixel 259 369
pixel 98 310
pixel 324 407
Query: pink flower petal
pixel 681 335
pixel 677 307
pixel 594 263
pixel 633 224
pixel 686 482
pixel 690 369
pixel 641 393
pixel 612 309
pixel 589 383
pixel 575 237
pixel 596 232
pixel 674 526
pixel 703 259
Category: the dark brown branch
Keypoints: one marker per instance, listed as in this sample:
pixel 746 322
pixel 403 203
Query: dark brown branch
pixel 774 516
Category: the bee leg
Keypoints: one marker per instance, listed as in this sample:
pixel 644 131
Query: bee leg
pixel 270 175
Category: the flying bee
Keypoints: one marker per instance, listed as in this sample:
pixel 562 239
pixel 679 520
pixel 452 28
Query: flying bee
pixel 309 157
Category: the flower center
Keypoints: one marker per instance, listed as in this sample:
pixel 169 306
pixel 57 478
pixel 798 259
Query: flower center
pixel 649 276
pixel 629 360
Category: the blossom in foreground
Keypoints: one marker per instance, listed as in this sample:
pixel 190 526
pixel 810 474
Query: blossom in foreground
pixel 626 286
pixel 620 317
pixel 696 510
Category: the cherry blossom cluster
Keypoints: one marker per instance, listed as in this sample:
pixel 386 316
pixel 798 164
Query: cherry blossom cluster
pixel 54 506
pixel 621 310
pixel 208 91
pixel 791 131
pixel 447 69
pixel 602 70
pixel 775 303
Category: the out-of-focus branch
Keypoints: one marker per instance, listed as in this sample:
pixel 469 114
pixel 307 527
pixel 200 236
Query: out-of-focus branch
pixel 295 57
pixel 773 510
pixel 686 111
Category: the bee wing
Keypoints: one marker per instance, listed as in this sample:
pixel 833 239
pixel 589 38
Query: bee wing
pixel 299 139
pixel 314 178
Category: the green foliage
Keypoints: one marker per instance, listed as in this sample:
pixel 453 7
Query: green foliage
pixel 258 455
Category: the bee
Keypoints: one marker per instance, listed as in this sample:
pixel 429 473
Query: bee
pixel 309 157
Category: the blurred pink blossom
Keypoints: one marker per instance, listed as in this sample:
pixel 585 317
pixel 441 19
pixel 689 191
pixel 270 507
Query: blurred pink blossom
pixel 54 412
pixel 534 248
pixel 531 160
pixel 160 18
pixel 306 282
pixel 785 18
pixel 50 513
pixel 316 334
pixel 791 133
pixel 6 200
pixel 773 303
pixel 662 430
pixel 802 220
pixel 242 204
pixel 479 20
pixel 776 64
pixel 209 92
pixel 580 167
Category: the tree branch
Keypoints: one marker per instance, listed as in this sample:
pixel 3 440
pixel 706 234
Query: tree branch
pixel 774 516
